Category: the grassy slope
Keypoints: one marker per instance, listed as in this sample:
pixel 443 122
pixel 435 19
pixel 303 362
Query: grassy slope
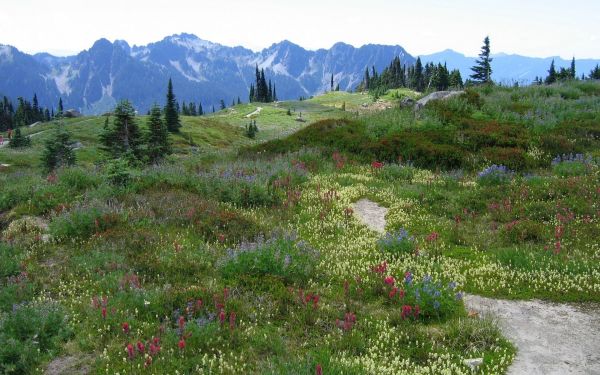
pixel 165 230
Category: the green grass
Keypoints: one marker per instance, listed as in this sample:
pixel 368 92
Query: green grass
pixel 265 241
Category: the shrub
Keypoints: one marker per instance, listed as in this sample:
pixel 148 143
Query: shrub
pixel 118 172
pixel 519 231
pixel 81 222
pixel 494 175
pixel 30 334
pixel 282 256
pixel 513 158
pixel 397 172
pixel 396 243
pixel 572 165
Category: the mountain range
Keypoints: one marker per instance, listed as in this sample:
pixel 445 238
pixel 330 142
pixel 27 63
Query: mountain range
pixel 205 72
pixel 202 71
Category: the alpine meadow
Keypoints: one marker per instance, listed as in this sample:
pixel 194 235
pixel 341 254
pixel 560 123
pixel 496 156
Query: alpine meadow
pixel 184 207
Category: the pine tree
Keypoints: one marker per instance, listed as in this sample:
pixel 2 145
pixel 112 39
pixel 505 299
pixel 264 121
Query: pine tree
pixel 123 137
pixel 157 139
pixel 551 74
pixel 367 79
pixel 482 71
pixel 60 108
pixel 200 110
pixel 239 101
pixel 274 98
pixel 572 70
pixel 331 81
pixel 18 140
pixel 171 111
pixel 58 151
pixel 251 96
pixel 222 104
pixel 232 103
pixel 419 81
pixel 595 73
pixel 455 79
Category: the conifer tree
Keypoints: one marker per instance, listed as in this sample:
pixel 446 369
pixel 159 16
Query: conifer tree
pixel 18 140
pixel 551 74
pixel 171 110
pixel 58 151
pixel 595 73
pixel 419 81
pixel 200 110
pixel 367 79
pixel 123 138
pixel 482 71
pixel 251 97
pixel 331 81
pixel 222 104
pixel 239 101
pixel 572 70
pixel 274 98
pixel 157 138
pixel 60 108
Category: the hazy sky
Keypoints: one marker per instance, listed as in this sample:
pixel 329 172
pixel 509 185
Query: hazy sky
pixel 529 27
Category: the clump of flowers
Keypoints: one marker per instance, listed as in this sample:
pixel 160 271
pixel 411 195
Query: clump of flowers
pixel 494 175
pixel 397 243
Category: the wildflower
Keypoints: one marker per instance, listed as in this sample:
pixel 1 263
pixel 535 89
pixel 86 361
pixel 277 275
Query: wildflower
pixel 181 323
pixel 104 313
pixel 393 292
pixel 315 300
pixel 380 268
pixel 154 349
pixel 416 311
pixel 408 278
pixel 557 247
pixel 148 361
pixel 459 296
pixel 181 344
pixel 389 280
pixel 436 304
pixel 377 165
pixel 225 293
pixel 125 327
pixel 232 320
pixel 432 237
pixel 222 316
pixel 141 347
pixel 406 311
pixel 130 351
pixel 198 304
pixel 221 238
pixel 319 370
pixel 401 294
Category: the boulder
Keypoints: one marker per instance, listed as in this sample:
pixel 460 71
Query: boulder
pixel 438 95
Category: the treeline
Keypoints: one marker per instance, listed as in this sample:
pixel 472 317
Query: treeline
pixel 565 74
pixel 261 91
pixel 416 77
pixel 26 113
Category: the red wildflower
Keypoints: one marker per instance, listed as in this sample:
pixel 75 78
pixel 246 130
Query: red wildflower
pixel 125 327
pixel 380 268
pixel 181 344
pixel 315 300
pixel 154 349
pixel 198 304
pixel 432 237
pixel 222 316
pixel 155 340
pixel 130 351
pixel 225 294
pixel 181 322
pixel 232 320
pixel 221 238
pixel 377 165
pixel 389 280
pixel 393 292
pixel 406 311
pixel 319 370
pixel 104 313
pixel 401 294
pixel 141 347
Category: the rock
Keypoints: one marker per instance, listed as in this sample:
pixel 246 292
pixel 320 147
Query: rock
pixel 72 113
pixel 473 363
pixel 439 95
pixel 407 102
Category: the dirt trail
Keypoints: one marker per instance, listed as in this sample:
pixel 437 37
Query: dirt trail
pixel 255 113
pixel 551 338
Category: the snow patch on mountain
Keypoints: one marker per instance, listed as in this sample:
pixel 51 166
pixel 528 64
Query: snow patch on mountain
pixel 177 66
pixel 62 78
pixel 192 43
pixel 197 67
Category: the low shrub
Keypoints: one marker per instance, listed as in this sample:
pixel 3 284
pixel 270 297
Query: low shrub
pixel 519 231
pixel 82 222
pixel 494 175
pixel 30 334
pixel 282 256
pixel 572 165
pixel 397 172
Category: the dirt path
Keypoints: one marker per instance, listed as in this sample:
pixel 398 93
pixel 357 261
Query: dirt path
pixel 6 141
pixel 551 338
pixel 255 113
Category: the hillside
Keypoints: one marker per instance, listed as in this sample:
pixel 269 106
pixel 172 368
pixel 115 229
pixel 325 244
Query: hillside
pixel 241 256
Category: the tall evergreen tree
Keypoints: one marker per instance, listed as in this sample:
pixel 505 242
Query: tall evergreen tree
pixel 367 79
pixel 222 104
pixel 482 71
pixel 239 101
pixel 331 81
pixel 552 76
pixel 572 70
pixel 200 110
pixel 251 97
pixel 18 140
pixel 60 108
pixel 419 81
pixel 58 151
pixel 171 110
pixel 595 73
pixel 157 138
pixel 123 138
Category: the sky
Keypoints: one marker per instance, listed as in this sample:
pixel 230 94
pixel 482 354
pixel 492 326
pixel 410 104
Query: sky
pixel 539 28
